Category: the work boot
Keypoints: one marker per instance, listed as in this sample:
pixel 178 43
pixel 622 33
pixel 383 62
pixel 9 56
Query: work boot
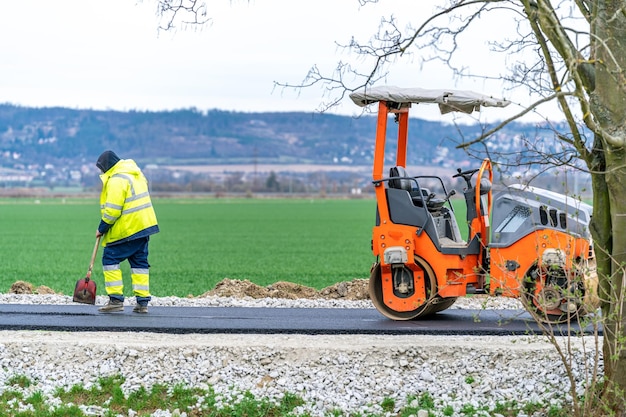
pixel 112 306
pixel 140 308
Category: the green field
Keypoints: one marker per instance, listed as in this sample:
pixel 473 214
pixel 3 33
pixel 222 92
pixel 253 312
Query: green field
pixel 202 241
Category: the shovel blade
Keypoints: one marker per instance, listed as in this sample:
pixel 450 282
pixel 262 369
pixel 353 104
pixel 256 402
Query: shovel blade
pixel 85 291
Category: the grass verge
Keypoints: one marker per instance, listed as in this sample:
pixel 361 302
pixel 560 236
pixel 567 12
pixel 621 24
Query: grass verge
pixel 20 398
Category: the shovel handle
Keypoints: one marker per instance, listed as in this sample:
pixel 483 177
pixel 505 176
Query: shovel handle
pixel 93 258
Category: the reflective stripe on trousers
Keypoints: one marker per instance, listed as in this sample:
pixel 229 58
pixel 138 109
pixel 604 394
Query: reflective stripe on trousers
pixel 113 282
pixel 141 282
pixel 136 252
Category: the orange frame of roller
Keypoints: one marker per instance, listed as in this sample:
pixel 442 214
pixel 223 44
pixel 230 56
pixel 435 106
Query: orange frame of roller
pixel 522 241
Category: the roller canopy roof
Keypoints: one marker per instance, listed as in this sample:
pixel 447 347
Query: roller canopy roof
pixel 449 100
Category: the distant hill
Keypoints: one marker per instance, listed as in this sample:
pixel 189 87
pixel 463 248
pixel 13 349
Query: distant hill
pixel 64 143
pixel 53 135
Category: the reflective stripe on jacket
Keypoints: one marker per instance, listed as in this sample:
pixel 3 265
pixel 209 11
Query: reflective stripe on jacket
pixel 125 203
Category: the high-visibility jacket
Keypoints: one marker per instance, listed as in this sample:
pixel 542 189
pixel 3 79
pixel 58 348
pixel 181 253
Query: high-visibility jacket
pixel 125 204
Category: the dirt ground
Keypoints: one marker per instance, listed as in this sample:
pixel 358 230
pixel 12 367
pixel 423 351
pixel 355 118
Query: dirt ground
pixel 348 290
pixel 23 287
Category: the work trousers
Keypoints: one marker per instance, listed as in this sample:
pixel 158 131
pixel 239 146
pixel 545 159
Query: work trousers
pixel 136 252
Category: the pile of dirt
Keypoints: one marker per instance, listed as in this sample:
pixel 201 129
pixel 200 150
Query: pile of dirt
pixel 349 290
pixel 23 287
pixel 357 289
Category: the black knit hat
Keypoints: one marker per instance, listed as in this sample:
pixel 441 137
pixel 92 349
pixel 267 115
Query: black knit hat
pixel 106 160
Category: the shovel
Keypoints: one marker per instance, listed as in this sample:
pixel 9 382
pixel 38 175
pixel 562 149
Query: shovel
pixel 85 290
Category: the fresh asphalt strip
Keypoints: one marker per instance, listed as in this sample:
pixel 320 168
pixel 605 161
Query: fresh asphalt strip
pixel 260 320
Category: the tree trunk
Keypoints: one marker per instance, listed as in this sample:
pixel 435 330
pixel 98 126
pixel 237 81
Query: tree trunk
pixel 609 111
pixel 614 347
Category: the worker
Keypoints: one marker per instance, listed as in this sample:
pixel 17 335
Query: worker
pixel 127 222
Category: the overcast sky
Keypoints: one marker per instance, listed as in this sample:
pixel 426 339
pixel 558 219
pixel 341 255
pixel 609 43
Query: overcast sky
pixel 108 55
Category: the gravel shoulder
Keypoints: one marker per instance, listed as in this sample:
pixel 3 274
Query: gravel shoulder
pixel 320 342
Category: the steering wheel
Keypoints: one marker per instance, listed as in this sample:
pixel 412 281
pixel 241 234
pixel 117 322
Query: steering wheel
pixel 463 174
pixel 467 176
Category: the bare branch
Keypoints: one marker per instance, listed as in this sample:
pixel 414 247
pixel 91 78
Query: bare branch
pixel 188 13
pixel 502 124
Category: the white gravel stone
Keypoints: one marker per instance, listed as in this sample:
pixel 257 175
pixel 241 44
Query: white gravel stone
pixel 352 373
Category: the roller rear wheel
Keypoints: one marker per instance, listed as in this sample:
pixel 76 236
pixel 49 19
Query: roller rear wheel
pixel 553 296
